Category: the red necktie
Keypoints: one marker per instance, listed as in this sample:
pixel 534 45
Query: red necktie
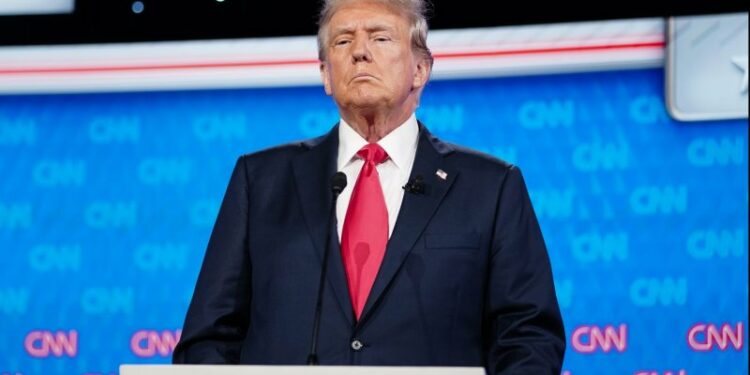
pixel 365 232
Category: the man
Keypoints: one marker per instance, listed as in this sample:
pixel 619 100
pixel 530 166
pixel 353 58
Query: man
pixel 453 271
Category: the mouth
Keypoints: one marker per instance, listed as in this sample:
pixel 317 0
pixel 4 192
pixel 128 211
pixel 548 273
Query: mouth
pixel 363 76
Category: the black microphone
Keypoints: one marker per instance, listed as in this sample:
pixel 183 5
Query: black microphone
pixel 338 183
pixel 416 186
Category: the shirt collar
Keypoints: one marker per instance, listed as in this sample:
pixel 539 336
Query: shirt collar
pixel 400 144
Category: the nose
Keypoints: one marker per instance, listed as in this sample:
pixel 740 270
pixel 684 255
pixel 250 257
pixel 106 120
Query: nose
pixel 360 50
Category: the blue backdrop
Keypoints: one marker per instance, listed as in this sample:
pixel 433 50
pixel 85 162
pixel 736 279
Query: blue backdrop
pixel 107 202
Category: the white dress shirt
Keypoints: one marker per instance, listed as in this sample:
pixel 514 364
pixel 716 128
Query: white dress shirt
pixel 401 147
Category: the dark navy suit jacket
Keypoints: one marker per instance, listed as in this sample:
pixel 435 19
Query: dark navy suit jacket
pixel 466 279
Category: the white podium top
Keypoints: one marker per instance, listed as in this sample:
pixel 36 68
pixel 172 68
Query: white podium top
pixel 289 370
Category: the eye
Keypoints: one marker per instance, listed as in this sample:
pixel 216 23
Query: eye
pixel 341 42
pixel 382 38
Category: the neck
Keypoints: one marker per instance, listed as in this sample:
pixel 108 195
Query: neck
pixel 373 125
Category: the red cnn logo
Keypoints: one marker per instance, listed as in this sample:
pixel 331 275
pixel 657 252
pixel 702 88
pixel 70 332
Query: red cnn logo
pixel 39 344
pixel 588 339
pixel 706 337
pixel 146 343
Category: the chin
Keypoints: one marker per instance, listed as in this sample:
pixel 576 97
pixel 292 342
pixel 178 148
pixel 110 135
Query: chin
pixel 367 101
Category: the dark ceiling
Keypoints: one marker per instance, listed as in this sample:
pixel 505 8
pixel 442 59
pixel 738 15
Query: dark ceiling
pixel 97 21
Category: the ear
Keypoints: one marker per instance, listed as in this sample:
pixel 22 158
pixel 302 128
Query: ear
pixel 326 77
pixel 421 74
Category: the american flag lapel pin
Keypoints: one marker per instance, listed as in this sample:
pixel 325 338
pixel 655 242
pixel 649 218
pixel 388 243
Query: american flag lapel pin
pixel 441 173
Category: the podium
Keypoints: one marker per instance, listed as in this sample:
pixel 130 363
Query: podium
pixel 293 370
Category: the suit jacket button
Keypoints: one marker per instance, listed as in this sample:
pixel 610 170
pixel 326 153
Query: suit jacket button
pixel 357 345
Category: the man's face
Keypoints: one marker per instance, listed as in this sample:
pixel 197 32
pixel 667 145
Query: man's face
pixel 369 60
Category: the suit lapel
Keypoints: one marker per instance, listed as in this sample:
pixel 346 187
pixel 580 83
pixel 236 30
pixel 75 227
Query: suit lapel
pixel 312 172
pixel 415 213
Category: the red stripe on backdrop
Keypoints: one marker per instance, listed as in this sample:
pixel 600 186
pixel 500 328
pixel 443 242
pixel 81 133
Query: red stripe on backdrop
pixel 273 63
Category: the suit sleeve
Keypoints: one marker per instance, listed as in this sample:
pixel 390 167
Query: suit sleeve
pixel 218 316
pixel 526 330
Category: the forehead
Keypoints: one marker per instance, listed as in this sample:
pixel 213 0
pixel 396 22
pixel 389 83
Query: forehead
pixel 369 16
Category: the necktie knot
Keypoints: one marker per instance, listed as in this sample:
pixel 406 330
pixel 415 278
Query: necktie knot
pixel 373 153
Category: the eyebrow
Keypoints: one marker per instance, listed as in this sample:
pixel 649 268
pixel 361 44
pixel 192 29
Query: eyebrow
pixel 371 28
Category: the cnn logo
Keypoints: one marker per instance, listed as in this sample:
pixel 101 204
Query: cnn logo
pixel 146 343
pixel 42 344
pixel 589 339
pixel 706 337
